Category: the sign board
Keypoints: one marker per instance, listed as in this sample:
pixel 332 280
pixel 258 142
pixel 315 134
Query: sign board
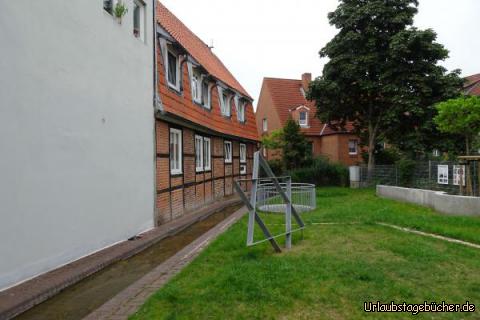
pixel 442 177
pixel 458 175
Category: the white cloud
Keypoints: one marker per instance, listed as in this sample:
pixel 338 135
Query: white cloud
pixel 281 38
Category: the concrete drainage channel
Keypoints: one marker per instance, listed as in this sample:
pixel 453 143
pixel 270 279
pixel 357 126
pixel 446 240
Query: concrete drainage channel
pixel 86 296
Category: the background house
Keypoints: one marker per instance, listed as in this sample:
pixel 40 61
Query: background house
pixel 205 131
pixel 284 98
pixel 76 131
pixel 472 85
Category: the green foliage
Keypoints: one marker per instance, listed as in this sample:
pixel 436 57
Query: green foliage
pixel 383 74
pixel 406 170
pixel 321 172
pixel 294 146
pixel 460 116
pixel 384 156
pixel 277 166
pixel 274 140
pixel 120 10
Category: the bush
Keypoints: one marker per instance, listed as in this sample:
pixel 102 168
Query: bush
pixel 406 170
pixel 321 172
pixel 277 166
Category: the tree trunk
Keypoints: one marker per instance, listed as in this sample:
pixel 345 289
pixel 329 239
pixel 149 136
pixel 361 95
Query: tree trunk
pixel 467 144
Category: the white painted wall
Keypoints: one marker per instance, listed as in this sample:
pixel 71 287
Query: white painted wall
pixel 76 133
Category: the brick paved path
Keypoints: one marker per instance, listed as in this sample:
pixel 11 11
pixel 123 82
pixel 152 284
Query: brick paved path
pixel 129 300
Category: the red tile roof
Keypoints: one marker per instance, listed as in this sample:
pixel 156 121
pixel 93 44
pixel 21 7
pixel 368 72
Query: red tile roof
pixel 287 95
pixel 472 85
pixel 197 48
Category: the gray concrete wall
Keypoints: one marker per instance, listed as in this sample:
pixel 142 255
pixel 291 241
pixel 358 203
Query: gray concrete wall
pixel 76 133
pixel 438 200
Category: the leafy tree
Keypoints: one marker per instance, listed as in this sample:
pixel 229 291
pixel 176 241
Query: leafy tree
pixel 295 146
pixel 382 75
pixel 273 140
pixel 460 116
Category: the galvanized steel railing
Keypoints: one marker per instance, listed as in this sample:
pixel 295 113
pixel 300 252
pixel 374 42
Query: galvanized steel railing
pixel 269 199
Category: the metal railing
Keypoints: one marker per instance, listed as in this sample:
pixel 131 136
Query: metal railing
pixel 269 199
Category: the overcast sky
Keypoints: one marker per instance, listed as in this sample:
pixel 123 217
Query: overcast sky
pixel 281 38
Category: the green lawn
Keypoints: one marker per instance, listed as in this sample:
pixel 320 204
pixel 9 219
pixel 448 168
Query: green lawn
pixel 332 269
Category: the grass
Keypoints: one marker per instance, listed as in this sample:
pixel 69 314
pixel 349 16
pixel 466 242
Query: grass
pixel 333 270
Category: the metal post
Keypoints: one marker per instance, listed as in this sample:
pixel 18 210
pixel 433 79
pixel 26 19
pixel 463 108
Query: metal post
pixel 288 216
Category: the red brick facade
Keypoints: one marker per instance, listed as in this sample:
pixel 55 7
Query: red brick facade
pixel 184 190
pixel 284 98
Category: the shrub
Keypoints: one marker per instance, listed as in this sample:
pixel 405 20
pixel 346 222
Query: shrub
pixel 406 170
pixel 277 166
pixel 321 172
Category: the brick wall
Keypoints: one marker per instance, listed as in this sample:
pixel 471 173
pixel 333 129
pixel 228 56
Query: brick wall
pixel 183 193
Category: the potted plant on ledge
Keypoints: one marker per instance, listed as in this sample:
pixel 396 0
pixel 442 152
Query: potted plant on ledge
pixel 119 11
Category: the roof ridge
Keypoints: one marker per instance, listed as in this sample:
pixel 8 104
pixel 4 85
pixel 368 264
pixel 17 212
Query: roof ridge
pixel 197 48
pixel 272 78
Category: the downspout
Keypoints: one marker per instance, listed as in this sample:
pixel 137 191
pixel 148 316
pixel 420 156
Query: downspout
pixel 157 106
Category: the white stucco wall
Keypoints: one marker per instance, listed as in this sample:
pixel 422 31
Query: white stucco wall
pixel 76 133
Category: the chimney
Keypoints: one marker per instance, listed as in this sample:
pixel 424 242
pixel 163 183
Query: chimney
pixel 306 79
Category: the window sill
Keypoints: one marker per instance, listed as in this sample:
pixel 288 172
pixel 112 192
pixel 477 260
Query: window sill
pixel 228 162
pixel 176 174
pixel 174 88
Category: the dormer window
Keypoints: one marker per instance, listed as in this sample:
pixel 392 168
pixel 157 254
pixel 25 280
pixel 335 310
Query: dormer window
pixel 224 102
pixel 206 94
pixel 196 87
pixel 173 70
pixel 240 104
pixel 303 118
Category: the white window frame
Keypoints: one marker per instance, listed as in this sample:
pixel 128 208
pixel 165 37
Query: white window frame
pixel 207 154
pixel 224 98
pixel 141 31
pixel 442 174
pixel 264 125
pixel 457 176
pixel 303 123
pixel 241 105
pixel 196 83
pixel 436 153
pixel 243 168
pixel 206 100
pixel 243 154
pixel 176 163
pixel 175 85
pixel 227 151
pixel 355 145
pixel 198 153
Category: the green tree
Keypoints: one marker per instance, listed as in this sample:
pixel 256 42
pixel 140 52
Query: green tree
pixel 460 116
pixel 273 140
pixel 294 146
pixel 382 75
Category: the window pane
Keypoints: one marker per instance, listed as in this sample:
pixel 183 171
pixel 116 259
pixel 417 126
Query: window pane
pixel 205 93
pixel 108 6
pixel 136 20
pixel 172 69
pixel 303 116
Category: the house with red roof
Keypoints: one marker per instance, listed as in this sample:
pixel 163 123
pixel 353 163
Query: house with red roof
pixel 472 85
pixel 206 132
pixel 281 99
